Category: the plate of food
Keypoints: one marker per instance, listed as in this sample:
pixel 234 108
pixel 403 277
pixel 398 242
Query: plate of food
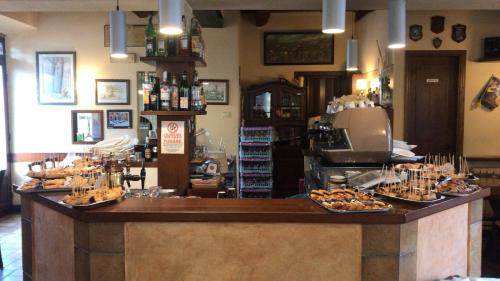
pixel 40 185
pixel 91 198
pixel 457 187
pixel 415 195
pixel 348 201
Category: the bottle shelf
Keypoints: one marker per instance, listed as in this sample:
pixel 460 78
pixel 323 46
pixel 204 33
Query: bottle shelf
pixel 173 113
pixel 199 62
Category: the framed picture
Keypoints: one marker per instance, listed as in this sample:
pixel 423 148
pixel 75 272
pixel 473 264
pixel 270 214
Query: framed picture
pixel 216 90
pixel 87 126
pixel 119 119
pixel 56 77
pixel 292 48
pixel 112 91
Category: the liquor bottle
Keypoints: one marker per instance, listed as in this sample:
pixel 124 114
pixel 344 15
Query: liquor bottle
pixel 165 93
pixel 196 93
pixel 154 98
pixel 146 88
pixel 196 41
pixel 184 93
pixel 203 99
pixel 162 45
pixel 184 44
pixel 174 94
pixel 171 46
pixel 148 152
pixel 150 39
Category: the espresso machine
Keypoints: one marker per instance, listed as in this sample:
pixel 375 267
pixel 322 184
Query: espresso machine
pixel 113 174
pixel 348 143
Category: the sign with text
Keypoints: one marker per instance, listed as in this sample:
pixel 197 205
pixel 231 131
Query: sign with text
pixel 172 137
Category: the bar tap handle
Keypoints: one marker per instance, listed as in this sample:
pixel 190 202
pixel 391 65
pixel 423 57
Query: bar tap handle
pixel 127 175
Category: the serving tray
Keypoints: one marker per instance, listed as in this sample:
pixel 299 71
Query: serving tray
pixel 351 211
pixel 441 197
pixel 96 204
pixel 42 190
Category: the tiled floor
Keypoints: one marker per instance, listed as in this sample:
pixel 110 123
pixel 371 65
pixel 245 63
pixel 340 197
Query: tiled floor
pixel 10 245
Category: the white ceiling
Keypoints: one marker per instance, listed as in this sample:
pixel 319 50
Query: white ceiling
pixel 144 5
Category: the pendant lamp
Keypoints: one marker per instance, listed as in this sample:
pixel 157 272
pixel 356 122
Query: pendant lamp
pixel 170 13
pixel 352 50
pixel 118 33
pixel 397 24
pixel 333 16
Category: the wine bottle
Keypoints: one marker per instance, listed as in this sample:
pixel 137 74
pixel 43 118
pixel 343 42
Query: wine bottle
pixel 184 99
pixel 148 153
pixel 184 44
pixel 150 38
pixel 165 93
pixel 174 94
pixel 154 98
pixel 196 94
pixel 196 41
pixel 146 89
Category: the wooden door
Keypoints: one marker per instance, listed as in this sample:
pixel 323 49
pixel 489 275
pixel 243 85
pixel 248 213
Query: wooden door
pixel 5 183
pixel 434 101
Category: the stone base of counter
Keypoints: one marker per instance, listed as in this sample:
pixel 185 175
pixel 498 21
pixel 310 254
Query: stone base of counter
pixel 432 247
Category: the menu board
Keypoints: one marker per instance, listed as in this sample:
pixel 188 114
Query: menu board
pixel 172 137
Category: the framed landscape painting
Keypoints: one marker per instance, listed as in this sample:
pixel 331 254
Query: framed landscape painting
pixel 112 91
pixel 56 77
pixel 294 48
pixel 216 91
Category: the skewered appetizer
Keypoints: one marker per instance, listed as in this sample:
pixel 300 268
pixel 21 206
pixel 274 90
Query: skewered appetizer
pixel 88 196
pixel 347 200
pixel 457 185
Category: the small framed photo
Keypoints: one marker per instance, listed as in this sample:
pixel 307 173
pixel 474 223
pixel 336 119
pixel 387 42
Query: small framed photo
pixel 119 119
pixel 56 77
pixel 112 91
pixel 87 126
pixel 216 91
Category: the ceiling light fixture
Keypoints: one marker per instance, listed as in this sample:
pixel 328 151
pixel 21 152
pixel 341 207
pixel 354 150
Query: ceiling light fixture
pixel 352 50
pixel 333 16
pixel 170 13
pixel 397 24
pixel 118 33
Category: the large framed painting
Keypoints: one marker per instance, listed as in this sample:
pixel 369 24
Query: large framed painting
pixel 293 48
pixel 87 126
pixel 216 91
pixel 56 77
pixel 112 91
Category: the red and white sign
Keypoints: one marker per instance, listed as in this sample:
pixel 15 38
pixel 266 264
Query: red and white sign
pixel 172 137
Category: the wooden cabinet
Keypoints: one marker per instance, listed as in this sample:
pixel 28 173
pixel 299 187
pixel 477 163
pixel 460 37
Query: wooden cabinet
pixel 280 105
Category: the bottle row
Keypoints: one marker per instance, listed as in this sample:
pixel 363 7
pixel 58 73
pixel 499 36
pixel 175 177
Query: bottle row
pixel 167 95
pixel 187 44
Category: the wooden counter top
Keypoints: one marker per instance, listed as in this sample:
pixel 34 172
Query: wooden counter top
pixel 243 210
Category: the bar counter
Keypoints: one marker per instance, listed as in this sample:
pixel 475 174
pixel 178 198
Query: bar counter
pixel 250 239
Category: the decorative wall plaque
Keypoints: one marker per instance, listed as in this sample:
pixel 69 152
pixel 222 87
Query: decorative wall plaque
pixel 436 42
pixel 458 34
pixel 416 32
pixel 437 24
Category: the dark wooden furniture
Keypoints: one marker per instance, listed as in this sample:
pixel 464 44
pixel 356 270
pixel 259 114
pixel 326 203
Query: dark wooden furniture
pixel 242 210
pixel 283 106
pixel 173 169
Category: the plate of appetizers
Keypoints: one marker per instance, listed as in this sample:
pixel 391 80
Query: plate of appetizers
pixel 416 195
pixel 91 198
pixel 457 187
pixel 348 201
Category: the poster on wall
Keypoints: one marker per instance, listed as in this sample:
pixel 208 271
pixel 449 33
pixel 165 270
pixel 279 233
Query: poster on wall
pixel 172 137
pixel 489 97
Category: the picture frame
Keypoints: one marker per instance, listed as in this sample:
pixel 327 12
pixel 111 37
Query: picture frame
pixel 216 91
pixel 112 91
pixel 87 126
pixel 298 48
pixel 56 78
pixel 119 119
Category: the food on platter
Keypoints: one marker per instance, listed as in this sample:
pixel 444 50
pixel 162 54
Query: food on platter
pixel 91 195
pixel 456 185
pixel 54 183
pixel 347 200
pixel 31 184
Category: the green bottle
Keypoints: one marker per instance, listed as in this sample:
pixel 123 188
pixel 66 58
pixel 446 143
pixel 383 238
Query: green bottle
pixel 184 100
pixel 151 37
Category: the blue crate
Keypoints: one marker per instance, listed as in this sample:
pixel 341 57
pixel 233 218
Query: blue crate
pixel 256 134
pixel 256 183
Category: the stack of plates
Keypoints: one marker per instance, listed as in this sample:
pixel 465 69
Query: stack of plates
pixel 118 146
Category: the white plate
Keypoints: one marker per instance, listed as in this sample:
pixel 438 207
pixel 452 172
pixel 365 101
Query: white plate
pixel 402 152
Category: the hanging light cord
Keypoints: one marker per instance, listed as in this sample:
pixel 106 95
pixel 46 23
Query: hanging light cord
pixel 353 23
pixel 117 5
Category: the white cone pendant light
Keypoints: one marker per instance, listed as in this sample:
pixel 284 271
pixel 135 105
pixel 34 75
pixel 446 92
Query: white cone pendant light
pixel 352 55
pixel 333 16
pixel 170 13
pixel 397 24
pixel 118 33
